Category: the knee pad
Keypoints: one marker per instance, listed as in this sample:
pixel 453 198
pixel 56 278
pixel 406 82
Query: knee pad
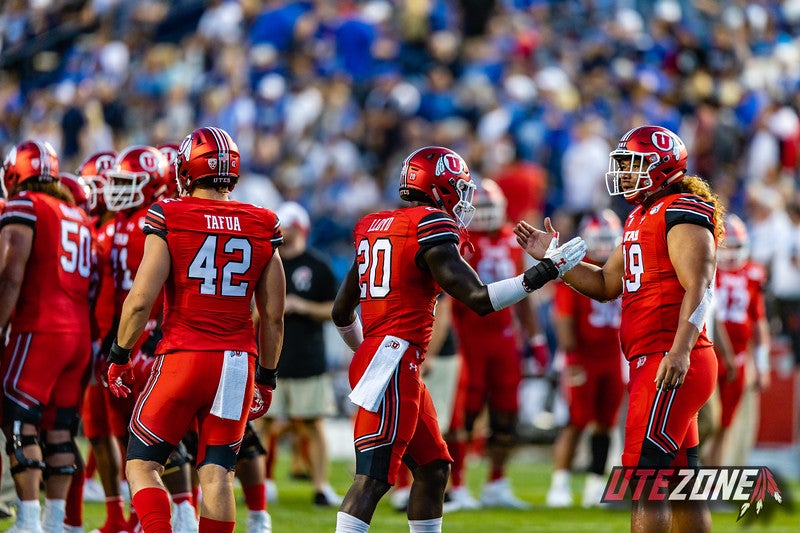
pixel 67 418
pixel 251 445
pixel 158 452
pixel 15 445
pixel 502 433
pixel 179 457
pixel 60 447
pixel 652 456
pixel 220 455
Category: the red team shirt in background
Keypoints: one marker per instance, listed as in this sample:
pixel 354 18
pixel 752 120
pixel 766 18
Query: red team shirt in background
pixel 739 307
pixel 104 305
pixel 491 344
pixel 593 375
pixel 398 294
pixel 49 345
pixel 651 301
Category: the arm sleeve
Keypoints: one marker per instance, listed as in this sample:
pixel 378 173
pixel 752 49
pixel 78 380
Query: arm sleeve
pixel 690 210
pixel 155 222
pixel 19 210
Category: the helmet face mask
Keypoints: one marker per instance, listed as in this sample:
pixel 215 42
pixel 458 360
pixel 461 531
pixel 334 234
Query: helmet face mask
pixel 93 171
pixel 139 175
pixel 490 207
pixel 602 232
pixel 441 177
pixel 647 159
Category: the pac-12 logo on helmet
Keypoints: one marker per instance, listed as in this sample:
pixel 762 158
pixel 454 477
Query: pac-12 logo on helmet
pixel 439 176
pixel 139 176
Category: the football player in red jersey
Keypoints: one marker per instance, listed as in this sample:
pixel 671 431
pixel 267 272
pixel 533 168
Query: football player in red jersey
pixel 403 259
pixel 139 177
pixel 46 256
pixel 214 255
pixel 741 310
pixel 664 271
pixel 588 336
pixel 105 419
pixel 491 348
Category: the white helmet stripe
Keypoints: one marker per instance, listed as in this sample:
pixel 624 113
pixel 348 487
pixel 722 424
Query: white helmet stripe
pixel 223 148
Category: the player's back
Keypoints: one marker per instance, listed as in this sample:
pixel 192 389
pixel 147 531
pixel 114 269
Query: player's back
pixel 218 251
pixel 398 292
pixel 55 292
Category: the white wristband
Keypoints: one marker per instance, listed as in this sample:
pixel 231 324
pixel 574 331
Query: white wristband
pixel 506 292
pixel 762 357
pixel 353 335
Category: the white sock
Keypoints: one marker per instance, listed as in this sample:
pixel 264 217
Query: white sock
pixel 29 511
pixel 432 525
pixel 54 512
pixel 346 523
pixel 560 479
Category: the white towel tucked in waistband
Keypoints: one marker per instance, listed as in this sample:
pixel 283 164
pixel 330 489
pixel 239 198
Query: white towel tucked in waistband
pixel 368 392
pixel 229 399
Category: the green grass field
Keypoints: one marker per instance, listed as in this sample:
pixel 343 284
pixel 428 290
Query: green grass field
pixel 294 513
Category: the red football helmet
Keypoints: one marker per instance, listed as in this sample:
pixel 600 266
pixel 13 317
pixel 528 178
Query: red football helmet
pixel 490 206
pixel 735 247
pixel 30 160
pixel 647 159
pixel 170 151
pixel 440 176
pixel 139 176
pixel 208 154
pixel 602 232
pixel 78 187
pixel 93 171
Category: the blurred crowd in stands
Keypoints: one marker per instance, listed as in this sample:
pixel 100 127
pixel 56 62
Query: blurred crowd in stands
pixel 325 97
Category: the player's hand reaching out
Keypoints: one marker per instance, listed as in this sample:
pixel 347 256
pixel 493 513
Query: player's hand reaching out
pixel 535 241
pixel 672 370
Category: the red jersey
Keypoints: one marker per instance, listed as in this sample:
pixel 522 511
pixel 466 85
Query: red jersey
pixel 596 324
pixel 127 250
pixel 105 300
pixel 651 292
pixel 740 302
pixel 497 256
pixel 398 292
pixel 219 251
pixel 55 293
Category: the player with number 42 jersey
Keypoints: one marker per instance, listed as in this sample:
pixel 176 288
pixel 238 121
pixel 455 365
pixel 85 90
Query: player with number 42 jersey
pixel 212 257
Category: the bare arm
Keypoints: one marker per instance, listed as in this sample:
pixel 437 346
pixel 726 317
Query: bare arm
pixel 16 243
pixel 441 326
pixel 270 297
pixel 150 278
pixel 565 332
pixel 692 253
pixel 598 283
pixel 457 278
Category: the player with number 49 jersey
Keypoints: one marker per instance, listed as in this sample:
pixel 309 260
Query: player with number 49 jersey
pixel 215 257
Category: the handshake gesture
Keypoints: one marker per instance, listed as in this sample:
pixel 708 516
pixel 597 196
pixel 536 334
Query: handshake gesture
pixel 543 245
